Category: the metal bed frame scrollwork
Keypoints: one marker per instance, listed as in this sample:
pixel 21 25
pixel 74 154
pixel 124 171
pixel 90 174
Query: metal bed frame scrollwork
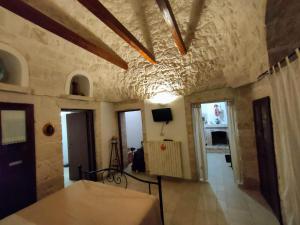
pixel 113 175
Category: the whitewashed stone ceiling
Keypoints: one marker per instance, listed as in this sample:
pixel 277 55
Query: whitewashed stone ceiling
pixel 225 39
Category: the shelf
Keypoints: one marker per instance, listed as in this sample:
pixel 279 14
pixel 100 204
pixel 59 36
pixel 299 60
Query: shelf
pixel 78 97
pixel 216 127
pixel 14 88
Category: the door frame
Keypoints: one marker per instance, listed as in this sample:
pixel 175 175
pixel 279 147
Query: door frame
pixel 268 101
pixel 90 134
pixel 30 135
pixel 235 155
pixel 120 132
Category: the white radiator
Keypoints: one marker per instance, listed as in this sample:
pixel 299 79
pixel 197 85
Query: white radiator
pixel 164 158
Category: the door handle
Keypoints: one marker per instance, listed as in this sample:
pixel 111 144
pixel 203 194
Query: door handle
pixel 15 163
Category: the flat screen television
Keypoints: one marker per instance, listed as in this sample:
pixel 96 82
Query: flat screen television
pixel 162 115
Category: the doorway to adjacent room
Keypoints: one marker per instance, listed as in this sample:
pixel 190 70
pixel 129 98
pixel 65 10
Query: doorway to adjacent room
pixel 131 140
pixel 78 143
pixel 215 144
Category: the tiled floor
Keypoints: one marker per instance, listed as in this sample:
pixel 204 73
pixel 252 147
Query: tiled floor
pixel 219 202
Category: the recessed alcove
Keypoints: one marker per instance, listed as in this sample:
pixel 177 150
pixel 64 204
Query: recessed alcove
pixel 13 70
pixel 79 86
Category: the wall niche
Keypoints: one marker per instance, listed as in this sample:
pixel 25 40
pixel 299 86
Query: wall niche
pixel 79 84
pixel 13 69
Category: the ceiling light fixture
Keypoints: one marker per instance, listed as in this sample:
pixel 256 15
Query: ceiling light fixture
pixel 163 98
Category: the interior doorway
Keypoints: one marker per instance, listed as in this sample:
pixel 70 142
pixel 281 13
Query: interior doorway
pixel 131 140
pixel 214 142
pixel 78 145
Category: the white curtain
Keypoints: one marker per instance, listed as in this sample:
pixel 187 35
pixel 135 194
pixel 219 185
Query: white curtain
pixel 235 156
pixel 199 143
pixel 285 103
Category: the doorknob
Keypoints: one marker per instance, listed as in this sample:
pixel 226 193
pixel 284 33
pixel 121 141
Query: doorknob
pixel 15 163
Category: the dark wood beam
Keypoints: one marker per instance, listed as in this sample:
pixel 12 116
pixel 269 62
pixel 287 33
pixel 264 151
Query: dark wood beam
pixel 95 7
pixel 29 13
pixel 168 15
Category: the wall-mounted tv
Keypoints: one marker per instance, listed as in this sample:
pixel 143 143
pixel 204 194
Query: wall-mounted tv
pixel 162 115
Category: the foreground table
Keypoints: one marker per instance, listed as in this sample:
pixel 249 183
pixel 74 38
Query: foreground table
pixel 90 203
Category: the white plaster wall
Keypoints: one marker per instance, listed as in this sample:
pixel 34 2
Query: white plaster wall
pixel 108 129
pixel 175 130
pixel 134 129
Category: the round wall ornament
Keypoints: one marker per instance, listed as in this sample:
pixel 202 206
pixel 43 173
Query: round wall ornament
pixel 48 129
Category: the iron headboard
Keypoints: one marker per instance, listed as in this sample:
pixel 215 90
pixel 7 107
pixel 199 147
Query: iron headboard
pixel 116 176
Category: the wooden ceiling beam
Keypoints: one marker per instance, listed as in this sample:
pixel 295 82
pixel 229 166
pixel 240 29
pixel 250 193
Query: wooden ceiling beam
pixel 165 8
pixel 24 10
pixel 96 8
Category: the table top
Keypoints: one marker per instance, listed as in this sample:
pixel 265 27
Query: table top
pixel 90 203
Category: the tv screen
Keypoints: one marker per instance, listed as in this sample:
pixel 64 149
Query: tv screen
pixel 162 115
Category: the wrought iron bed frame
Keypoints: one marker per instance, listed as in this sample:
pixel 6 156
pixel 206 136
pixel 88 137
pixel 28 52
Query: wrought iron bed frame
pixel 115 176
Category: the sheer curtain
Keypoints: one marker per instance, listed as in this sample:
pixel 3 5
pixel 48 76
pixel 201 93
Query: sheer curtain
pixel 199 143
pixel 286 121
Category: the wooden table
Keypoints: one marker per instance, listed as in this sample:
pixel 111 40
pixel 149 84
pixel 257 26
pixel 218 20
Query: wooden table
pixel 90 203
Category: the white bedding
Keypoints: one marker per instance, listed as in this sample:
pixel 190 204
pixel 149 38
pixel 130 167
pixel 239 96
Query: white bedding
pixel 90 203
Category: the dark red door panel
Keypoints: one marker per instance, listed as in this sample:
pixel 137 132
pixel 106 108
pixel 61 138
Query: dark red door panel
pixel 17 161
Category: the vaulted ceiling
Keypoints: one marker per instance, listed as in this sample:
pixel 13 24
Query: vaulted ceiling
pixel 283 33
pixel 225 41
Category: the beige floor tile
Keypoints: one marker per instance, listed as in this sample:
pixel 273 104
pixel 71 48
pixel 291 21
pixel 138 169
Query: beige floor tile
pixel 218 202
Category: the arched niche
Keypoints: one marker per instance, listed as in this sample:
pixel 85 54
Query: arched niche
pixel 81 82
pixel 13 67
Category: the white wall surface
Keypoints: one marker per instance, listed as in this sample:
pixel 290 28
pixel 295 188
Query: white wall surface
pixel 108 130
pixel 134 129
pixel 175 130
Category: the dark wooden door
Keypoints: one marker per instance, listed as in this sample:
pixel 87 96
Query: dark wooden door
pixel 80 142
pixel 17 158
pixel 266 154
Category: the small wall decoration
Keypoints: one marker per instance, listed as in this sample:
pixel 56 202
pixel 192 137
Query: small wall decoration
pixel 48 129
pixel 219 114
pixel 163 147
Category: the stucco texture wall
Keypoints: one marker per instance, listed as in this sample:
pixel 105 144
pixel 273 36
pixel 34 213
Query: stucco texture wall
pixel 108 126
pixel 282 26
pixel 241 99
pixel 50 60
pixel 222 37
pixel 49 159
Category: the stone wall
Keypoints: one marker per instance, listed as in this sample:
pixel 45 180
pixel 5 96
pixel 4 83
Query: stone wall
pixel 49 161
pixel 283 22
pixel 246 136
pixel 222 37
pixel 50 60
pixel 109 129
pixel 241 99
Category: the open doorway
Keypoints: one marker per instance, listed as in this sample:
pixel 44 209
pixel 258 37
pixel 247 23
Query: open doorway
pixel 216 136
pixel 215 143
pixel 77 143
pixel 131 141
